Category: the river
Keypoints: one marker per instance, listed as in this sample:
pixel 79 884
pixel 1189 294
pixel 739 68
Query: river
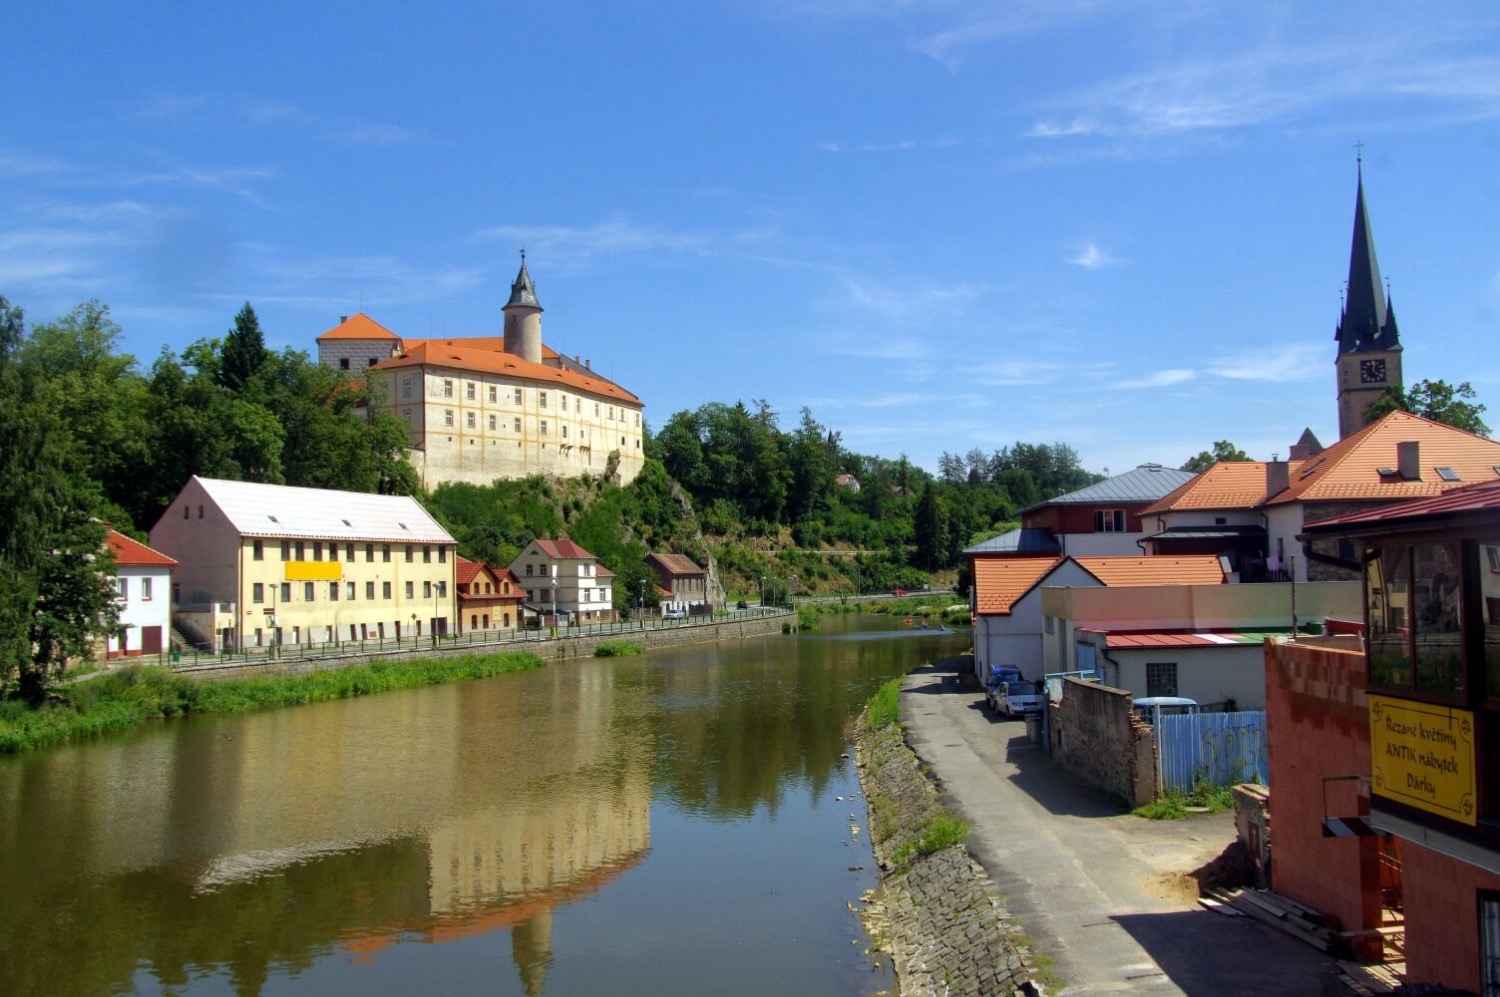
pixel 664 824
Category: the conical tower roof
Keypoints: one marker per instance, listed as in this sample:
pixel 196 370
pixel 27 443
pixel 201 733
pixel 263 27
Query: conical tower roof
pixel 522 290
pixel 1366 323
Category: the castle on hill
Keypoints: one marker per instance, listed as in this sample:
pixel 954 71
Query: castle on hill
pixel 482 408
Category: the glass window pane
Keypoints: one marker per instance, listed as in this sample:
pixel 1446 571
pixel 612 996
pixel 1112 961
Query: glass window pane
pixel 1488 552
pixel 1439 643
pixel 1388 579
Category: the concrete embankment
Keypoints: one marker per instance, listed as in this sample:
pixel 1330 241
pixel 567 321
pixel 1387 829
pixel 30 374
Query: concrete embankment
pixel 936 914
pixel 558 648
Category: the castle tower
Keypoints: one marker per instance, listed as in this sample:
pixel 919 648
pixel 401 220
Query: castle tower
pixel 1369 352
pixel 523 318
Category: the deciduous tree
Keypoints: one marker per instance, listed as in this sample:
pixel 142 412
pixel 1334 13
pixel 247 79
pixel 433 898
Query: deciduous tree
pixel 1435 400
pixel 1223 451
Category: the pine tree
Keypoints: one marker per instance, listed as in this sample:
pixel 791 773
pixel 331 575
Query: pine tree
pixel 244 352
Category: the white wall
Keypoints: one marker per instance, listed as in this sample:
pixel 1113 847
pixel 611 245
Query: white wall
pixel 1207 675
pixel 137 612
pixel 1017 639
pixel 1101 544
pixel 1284 522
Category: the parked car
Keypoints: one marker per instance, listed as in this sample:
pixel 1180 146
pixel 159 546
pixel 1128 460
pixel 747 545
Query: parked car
pixel 674 614
pixel 1148 708
pixel 1017 699
pixel 995 684
pixel 742 604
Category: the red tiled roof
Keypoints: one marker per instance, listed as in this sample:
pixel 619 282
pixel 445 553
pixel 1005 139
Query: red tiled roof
pixel 1000 582
pixel 1481 496
pixel 1186 569
pixel 435 353
pixel 1226 485
pixel 1350 469
pixel 563 550
pixel 134 554
pixel 360 326
pixel 464 569
pixel 600 571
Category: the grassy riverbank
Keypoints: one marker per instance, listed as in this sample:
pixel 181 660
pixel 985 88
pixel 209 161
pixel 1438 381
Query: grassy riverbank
pixel 125 698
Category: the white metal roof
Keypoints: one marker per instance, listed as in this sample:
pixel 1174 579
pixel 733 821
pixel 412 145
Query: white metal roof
pixel 259 510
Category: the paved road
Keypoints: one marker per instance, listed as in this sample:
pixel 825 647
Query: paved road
pixel 1099 892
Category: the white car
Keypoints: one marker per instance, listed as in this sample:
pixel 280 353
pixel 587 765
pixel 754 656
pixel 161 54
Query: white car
pixel 1017 699
pixel 674 614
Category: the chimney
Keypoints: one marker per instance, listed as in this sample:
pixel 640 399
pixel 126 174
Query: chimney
pixel 343 319
pixel 1278 477
pixel 1298 451
pixel 1409 460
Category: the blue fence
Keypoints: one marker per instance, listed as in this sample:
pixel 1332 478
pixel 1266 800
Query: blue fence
pixel 1224 748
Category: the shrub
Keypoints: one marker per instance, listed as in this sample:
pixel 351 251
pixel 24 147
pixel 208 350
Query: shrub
pixel 617 649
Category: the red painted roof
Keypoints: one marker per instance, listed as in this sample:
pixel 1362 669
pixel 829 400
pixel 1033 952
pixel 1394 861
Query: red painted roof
pixel 134 554
pixel 676 564
pixel 563 550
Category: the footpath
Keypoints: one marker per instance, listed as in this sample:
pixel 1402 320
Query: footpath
pixel 1104 902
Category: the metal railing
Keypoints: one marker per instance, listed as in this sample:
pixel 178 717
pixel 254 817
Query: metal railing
pixel 498 639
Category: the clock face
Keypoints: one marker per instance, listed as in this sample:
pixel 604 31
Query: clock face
pixel 1372 371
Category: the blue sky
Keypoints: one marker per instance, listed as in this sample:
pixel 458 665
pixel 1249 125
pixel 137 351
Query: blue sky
pixel 939 224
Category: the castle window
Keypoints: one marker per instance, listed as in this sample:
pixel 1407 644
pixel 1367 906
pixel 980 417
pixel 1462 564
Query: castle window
pixel 518 396
pixel 447 417
pixel 447 387
pixel 544 427
pixel 343 363
pixel 518 425
pixel 541 399
pixel 469 390
pixel 492 424
pixel 406 386
pixel 469 420
pixel 494 392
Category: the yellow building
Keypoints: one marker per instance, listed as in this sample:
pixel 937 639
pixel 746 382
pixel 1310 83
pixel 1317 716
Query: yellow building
pixel 306 565
pixel 478 409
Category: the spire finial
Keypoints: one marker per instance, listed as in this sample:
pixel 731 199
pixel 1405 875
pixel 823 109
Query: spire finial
pixel 1359 156
pixel 523 256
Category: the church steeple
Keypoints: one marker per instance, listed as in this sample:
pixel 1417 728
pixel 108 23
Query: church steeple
pixel 1367 323
pixel 1369 353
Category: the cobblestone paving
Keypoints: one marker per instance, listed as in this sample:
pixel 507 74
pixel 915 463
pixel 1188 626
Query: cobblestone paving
pixel 945 929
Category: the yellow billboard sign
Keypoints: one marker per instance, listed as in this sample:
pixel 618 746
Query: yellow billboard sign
pixel 314 571
pixel 1423 755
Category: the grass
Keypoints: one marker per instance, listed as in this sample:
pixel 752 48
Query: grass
pixel 1173 804
pixel 943 830
pixel 125 698
pixel 617 649
pixel 884 706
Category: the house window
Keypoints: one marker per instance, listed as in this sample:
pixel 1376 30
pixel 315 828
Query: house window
pixel 333 591
pixel 349 590
pixel 286 591
pixel 442 590
pixel 541 399
pixel 307 592
pixel 409 589
pixel 469 420
pixel 259 550
pixel 494 392
pixel 406 387
pixel 1109 520
pixel 426 554
pixel 1052 624
pixel 518 425
pixel 410 553
pixel 145 590
pixel 349 552
pixel 1161 678
pixel 286 550
pixel 257 592
pixel 385 590
pixel 343 365
pixel 301 551
pixel 565 432
pixel 492 424
pixel 528 570
pixel 1489 943
pixel 385 553
pixel 318 551
pixel 469 390
pixel 442 555
pixel 369 590
pixel 447 388
pixel 427 590
pixel 369 553
pixel 447 417
pixel 544 427
pixel 518 396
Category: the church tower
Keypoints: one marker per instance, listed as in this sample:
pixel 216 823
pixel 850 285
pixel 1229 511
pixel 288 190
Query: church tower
pixel 1369 352
pixel 523 318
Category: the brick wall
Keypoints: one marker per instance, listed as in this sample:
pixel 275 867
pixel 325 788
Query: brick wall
pixel 1442 917
pixel 1317 722
pixel 1095 735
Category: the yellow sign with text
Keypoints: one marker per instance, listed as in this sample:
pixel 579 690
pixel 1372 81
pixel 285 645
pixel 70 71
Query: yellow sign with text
pixel 1423 755
pixel 314 571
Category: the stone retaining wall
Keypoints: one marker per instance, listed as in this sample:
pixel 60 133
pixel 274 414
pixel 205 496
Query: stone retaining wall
pixel 938 915
pixel 554 649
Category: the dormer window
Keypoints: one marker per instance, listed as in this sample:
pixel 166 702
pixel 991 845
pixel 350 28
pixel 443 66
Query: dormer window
pixel 1109 520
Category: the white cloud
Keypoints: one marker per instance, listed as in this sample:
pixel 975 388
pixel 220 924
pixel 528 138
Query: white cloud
pixel 1160 379
pixel 1091 257
pixel 901 145
pixel 1048 129
pixel 1284 362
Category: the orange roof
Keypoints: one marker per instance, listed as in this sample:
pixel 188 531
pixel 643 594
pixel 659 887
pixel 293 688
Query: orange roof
pixel 436 353
pixel 495 344
pixel 562 549
pixel 999 582
pixel 134 554
pixel 676 564
pixel 1350 469
pixel 1226 485
pixel 359 326
pixel 1120 572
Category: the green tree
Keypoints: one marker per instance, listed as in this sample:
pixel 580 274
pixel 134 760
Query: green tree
pixel 931 530
pixel 1223 452
pixel 244 352
pixel 55 600
pixel 1435 400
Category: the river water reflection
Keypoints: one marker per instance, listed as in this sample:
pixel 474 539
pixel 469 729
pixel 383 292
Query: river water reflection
pixel 665 824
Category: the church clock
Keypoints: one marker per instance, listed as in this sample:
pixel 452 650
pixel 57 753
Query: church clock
pixel 1372 371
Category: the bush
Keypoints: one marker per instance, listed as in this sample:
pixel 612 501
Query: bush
pixel 884 706
pixel 617 649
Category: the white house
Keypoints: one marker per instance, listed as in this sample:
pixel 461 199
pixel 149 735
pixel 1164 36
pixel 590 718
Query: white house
pixel 143 583
pixel 562 580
